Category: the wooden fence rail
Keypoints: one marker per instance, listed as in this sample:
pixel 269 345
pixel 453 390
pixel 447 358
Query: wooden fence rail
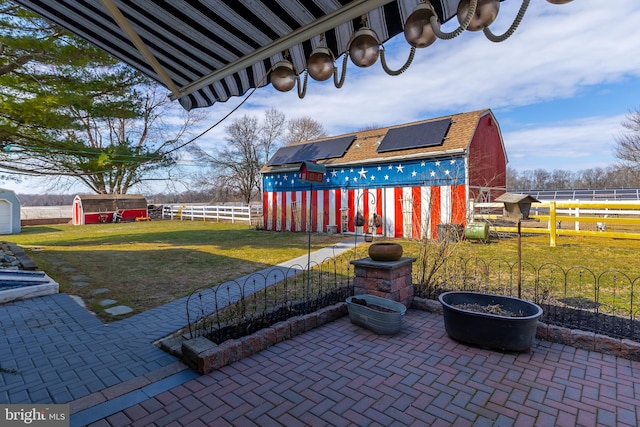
pixel 620 220
pixel 217 213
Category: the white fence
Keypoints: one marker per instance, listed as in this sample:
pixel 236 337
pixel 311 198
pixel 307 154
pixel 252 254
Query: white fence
pixel 618 220
pixel 572 208
pixel 249 214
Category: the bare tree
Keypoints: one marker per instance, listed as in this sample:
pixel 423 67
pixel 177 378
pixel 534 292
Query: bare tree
pixel 240 161
pixel 594 178
pixel 370 126
pixel 235 168
pixel 627 148
pixel 514 181
pixel 518 181
pixel 626 176
pixel 561 179
pixel 541 178
pixel 303 129
pixel 272 131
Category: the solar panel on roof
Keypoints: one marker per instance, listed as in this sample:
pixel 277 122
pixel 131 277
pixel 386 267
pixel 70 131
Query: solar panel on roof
pixel 282 155
pixel 336 147
pixel 328 149
pixel 428 134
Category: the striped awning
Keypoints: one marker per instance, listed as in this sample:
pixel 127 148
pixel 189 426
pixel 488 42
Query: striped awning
pixel 208 51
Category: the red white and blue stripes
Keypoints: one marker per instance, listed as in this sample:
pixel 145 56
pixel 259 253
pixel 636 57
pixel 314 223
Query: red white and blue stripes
pixel 411 197
pixel 408 212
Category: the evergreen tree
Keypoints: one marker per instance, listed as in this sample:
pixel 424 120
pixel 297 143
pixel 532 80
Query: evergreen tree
pixel 68 109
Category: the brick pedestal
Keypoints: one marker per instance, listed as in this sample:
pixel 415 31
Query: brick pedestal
pixel 391 279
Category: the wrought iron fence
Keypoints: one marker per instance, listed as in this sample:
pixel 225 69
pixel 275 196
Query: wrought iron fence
pixel 574 297
pixel 235 309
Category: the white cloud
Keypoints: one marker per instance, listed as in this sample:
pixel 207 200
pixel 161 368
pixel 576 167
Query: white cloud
pixel 574 145
pixel 557 52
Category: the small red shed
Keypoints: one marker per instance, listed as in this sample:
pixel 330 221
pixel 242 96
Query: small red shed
pixel 103 208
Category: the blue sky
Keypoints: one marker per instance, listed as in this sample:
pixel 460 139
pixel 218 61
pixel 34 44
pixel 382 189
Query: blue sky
pixel 559 87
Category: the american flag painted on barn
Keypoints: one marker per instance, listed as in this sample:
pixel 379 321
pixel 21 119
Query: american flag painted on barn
pixel 410 197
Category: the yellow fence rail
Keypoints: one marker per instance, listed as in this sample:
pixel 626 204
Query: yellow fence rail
pixel 619 220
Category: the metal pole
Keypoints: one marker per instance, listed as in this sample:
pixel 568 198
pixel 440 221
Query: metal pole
pixel 355 237
pixel 519 259
pixel 309 243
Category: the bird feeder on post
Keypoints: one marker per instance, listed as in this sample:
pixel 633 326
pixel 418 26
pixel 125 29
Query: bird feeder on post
pixel 517 207
pixel 311 172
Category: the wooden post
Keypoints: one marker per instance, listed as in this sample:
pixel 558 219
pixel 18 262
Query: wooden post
pixel 552 224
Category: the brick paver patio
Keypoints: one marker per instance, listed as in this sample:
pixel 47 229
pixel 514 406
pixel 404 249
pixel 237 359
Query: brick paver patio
pixel 340 374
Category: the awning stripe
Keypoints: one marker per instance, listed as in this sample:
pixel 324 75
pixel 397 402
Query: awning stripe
pixel 89 21
pixel 182 38
pixel 192 40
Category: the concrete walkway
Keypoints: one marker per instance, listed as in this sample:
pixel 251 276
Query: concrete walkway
pixel 54 351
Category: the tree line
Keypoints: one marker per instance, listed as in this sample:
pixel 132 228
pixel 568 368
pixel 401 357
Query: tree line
pixel 541 179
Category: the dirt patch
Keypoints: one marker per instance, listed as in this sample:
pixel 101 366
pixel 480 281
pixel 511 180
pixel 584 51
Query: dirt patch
pixel 496 309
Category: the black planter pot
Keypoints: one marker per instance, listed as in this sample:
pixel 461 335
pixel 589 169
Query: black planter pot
pixel 492 331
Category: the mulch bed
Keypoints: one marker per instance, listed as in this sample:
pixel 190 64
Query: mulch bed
pixel 496 309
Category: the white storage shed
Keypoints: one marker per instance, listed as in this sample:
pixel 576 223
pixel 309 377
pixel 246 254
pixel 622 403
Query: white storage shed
pixel 9 212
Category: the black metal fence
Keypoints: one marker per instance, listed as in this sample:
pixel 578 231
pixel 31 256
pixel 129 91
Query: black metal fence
pixel 574 297
pixel 235 309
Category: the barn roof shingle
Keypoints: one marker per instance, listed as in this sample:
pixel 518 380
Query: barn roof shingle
pixel 363 148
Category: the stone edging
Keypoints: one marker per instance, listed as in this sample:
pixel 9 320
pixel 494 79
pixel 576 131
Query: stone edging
pixel 624 348
pixel 204 356
pixel 17 255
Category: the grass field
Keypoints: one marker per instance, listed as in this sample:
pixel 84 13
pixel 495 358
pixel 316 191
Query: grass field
pixel 597 254
pixel 147 264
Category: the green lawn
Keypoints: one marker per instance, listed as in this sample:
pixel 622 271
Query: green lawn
pixel 598 254
pixel 578 268
pixel 147 264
